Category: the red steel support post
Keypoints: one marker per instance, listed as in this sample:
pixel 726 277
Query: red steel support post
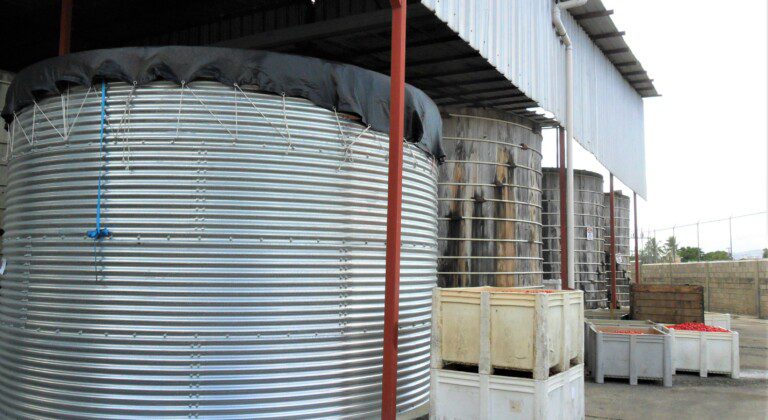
pixel 65 26
pixel 637 252
pixel 613 248
pixel 563 205
pixel 394 207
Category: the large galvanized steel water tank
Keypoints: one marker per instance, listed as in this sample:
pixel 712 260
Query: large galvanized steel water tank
pixel 5 81
pixel 621 216
pixel 588 238
pixel 244 274
pixel 489 201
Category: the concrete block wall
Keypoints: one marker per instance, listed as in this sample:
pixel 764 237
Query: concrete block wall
pixel 738 287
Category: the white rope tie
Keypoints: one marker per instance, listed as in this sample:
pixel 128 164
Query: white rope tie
pixel 23 131
pixel 64 112
pixel 123 129
pixel 413 155
pixel 9 146
pixel 348 146
pixel 77 115
pixel 237 133
pixel 285 121
pixel 338 123
pixel 178 116
pixel 49 121
pixel 287 139
pixel 34 124
pixel 368 127
pixel 348 151
pixel 209 111
pixel 10 155
pixel 343 139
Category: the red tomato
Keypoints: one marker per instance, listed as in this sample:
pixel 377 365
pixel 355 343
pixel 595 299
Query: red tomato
pixel 534 291
pixel 697 326
pixel 631 332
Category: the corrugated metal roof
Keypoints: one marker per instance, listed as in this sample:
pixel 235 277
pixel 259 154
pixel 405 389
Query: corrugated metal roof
pixel 596 21
pixel 518 39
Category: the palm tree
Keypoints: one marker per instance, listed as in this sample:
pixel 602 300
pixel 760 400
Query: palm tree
pixel 671 246
pixel 651 252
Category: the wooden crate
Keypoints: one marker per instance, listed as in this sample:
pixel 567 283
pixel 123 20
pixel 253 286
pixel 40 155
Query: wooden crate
pixel 667 304
pixel 503 328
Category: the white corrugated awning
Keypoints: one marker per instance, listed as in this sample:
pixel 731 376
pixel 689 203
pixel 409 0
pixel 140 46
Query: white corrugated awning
pixel 518 39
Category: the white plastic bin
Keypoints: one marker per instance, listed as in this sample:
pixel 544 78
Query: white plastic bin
pixel 623 323
pixel 706 352
pixel 504 328
pixel 718 320
pixel 459 395
pixel 632 356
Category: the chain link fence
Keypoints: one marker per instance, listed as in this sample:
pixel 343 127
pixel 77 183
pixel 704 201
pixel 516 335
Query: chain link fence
pixel 736 237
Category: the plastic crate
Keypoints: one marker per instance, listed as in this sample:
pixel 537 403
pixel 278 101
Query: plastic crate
pixel 632 356
pixel 505 328
pixel 623 323
pixel 459 395
pixel 718 320
pixel 706 352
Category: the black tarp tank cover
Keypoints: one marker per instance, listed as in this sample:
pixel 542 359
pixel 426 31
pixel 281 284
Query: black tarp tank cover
pixel 330 85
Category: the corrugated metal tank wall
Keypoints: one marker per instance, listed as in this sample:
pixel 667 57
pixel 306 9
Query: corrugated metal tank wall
pixel 589 234
pixel 244 277
pixel 621 216
pixel 489 212
pixel 5 81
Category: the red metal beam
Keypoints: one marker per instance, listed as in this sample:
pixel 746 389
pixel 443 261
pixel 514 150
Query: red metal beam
pixel 394 207
pixel 637 254
pixel 563 204
pixel 65 26
pixel 613 248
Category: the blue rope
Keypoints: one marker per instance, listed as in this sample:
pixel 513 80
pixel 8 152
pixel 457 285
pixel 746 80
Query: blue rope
pixel 99 233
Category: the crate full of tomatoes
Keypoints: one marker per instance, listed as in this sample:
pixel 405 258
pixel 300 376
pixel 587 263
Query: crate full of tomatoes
pixel 705 349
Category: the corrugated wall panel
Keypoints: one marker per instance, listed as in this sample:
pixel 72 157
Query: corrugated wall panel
pixel 517 38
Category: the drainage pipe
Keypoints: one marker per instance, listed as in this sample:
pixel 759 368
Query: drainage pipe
pixel 560 28
pixel 612 225
pixel 563 210
pixel 637 251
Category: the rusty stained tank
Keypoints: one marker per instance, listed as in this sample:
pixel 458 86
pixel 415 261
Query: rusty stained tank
pixel 621 216
pixel 489 194
pixel 588 238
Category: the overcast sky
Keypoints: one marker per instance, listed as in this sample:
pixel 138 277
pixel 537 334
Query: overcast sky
pixel 706 138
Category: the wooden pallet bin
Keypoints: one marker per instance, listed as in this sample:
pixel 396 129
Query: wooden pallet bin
pixel 667 304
